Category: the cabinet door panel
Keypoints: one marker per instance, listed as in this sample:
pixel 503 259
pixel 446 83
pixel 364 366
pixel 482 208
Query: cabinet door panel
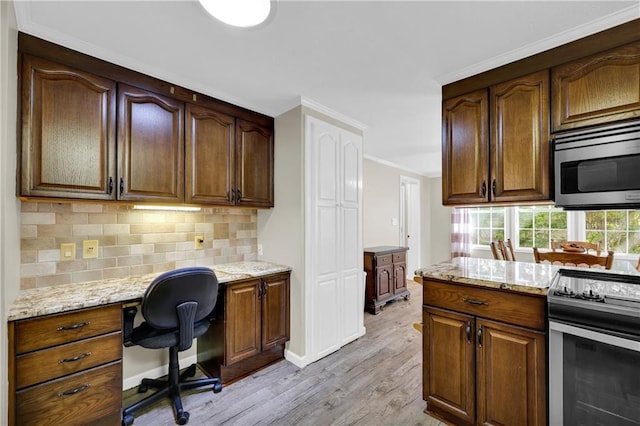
pixel 465 142
pixel 254 164
pixel 510 367
pixel 384 282
pixel 598 89
pixel 520 139
pixel 275 311
pixel 242 318
pixel 150 146
pixel 209 155
pixel 399 278
pixel 448 364
pixel 68 132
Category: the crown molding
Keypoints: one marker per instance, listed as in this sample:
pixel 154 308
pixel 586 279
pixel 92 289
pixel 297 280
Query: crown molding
pixel 306 102
pixel 617 18
pixel 399 166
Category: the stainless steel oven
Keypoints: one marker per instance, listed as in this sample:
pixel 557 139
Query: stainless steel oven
pixel 594 349
pixel 598 168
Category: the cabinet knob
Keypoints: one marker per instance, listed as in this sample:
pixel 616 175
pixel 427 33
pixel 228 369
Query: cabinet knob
pixel 110 185
pixel 468 331
pixel 480 336
pixel 493 187
pixel 483 189
pixel 121 186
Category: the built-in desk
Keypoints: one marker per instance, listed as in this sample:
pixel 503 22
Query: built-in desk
pixel 65 342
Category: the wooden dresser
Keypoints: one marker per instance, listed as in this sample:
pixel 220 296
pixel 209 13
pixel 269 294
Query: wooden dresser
pixel 66 368
pixel 386 276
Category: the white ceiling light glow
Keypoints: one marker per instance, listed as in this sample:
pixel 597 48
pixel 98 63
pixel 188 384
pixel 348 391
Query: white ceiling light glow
pixel 239 13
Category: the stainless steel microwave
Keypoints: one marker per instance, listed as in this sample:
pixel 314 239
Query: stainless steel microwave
pixel 598 168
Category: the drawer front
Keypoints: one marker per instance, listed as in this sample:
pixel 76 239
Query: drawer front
pixel 77 399
pixel 47 364
pixel 384 259
pixel 399 257
pixel 511 308
pixel 44 332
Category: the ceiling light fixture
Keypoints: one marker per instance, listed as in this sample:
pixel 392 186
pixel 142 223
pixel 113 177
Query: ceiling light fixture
pixel 239 13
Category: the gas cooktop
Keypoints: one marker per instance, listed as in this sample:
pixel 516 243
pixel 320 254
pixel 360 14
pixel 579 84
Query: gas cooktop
pixel 596 299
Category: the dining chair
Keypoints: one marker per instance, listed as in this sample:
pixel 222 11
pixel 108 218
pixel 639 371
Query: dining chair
pixel 573 259
pixel 576 246
pixel 502 250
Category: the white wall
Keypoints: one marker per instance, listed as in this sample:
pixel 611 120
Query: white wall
pixel 9 204
pixel 439 221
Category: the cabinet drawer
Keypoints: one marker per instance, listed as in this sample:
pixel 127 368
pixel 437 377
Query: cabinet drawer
pixel 399 257
pixel 518 309
pixel 77 399
pixel 44 332
pixel 384 259
pixel 47 364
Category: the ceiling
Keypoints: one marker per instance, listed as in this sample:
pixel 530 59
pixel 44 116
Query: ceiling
pixel 379 63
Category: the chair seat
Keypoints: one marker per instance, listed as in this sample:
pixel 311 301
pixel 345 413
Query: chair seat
pixel 152 338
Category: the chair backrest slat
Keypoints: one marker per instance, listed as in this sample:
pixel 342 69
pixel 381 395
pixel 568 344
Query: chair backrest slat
pixel 573 259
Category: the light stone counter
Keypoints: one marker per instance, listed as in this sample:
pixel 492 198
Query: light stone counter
pixel 523 277
pixel 56 299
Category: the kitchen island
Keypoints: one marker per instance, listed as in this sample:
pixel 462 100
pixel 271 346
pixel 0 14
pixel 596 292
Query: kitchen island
pixel 484 341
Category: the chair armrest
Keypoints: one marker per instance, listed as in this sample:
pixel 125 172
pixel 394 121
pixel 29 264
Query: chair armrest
pixel 128 316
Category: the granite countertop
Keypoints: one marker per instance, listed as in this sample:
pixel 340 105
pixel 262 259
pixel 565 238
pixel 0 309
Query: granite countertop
pixel 52 300
pixel 523 277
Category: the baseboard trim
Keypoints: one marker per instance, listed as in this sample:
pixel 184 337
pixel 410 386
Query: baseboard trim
pixel 295 359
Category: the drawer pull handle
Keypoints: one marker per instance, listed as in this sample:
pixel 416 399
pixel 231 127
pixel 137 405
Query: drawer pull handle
pixel 75 358
pixel 74 326
pixel 74 391
pixel 474 302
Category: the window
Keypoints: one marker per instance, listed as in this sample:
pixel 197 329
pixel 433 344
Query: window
pixel 536 226
pixel 487 224
pixel 617 230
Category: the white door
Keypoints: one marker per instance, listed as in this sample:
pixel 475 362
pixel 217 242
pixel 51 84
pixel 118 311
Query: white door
pixel 352 299
pixel 324 143
pixel 335 298
pixel 410 221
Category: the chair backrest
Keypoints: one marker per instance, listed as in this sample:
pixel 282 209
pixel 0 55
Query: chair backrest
pixel 173 288
pixel 502 250
pixel 574 259
pixel 561 245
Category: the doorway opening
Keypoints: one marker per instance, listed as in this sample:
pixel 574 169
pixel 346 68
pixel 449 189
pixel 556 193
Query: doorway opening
pixel 409 224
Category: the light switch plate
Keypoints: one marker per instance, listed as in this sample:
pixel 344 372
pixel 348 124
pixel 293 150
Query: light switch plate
pixel 89 249
pixel 68 251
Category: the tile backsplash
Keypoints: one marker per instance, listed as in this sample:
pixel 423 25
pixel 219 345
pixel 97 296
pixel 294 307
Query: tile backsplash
pixel 131 242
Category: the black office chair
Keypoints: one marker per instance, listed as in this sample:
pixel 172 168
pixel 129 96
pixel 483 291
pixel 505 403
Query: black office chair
pixel 176 307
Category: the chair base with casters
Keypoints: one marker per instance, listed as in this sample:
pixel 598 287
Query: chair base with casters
pixel 174 326
pixel 170 388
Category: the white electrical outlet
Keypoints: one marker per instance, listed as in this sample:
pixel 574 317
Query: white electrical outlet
pixel 199 242
pixel 89 249
pixel 67 251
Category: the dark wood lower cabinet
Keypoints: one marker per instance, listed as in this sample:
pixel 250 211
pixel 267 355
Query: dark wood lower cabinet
pixel 250 329
pixel 386 276
pixel 481 371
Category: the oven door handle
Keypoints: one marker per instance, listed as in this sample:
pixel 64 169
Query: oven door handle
pixel 619 342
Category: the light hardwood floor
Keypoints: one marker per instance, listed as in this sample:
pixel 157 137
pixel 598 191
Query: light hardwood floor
pixel 375 380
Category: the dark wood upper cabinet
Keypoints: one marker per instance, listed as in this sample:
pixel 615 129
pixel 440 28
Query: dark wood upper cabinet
pixel 254 164
pixel 597 89
pixel 465 146
pixel 520 168
pixel 150 146
pixel 68 132
pixel 210 137
pixel 94 130
pixel 502 159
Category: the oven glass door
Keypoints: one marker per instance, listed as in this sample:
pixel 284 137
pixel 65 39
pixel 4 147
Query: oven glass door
pixel 594 378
